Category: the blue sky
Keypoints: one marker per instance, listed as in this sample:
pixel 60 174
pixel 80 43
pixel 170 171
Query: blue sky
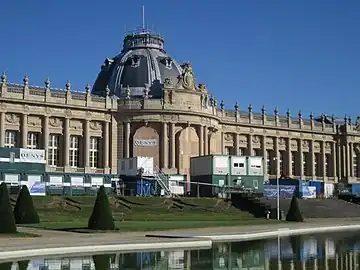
pixel 300 54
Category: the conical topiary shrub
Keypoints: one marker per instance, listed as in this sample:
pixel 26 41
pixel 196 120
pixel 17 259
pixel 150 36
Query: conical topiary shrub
pixel 23 265
pixel 6 266
pixel 102 262
pixel 24 211
pixel 101 217
pixel 294 213
pixel 7 221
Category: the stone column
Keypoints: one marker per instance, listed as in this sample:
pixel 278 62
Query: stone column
pixel 339 159
pixel 86 144
pixel 206 140
pixel 277 157
pixel 46 135
pixel 264 154
pixel 165 150
pixel 323 159
pixel 173 145
pixel 201 140
pixel 347 160
pixel 312 160
pixel 127 128
pixel 351 159
pixel 24 130
pixel 2 129
pixel 334 158
pixel 301 159
pixel 250 145
pixel 66 141
pixel 289 158
pixel 236 144
pixel 106 136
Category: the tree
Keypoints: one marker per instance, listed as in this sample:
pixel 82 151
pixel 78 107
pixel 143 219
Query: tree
pixel 101 217
pixel 23 265
pixel 24 211
pixel 7 221
pixel 294 213
pixel 6 266
pixel 102 262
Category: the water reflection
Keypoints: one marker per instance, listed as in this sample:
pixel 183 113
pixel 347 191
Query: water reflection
pixel 335 251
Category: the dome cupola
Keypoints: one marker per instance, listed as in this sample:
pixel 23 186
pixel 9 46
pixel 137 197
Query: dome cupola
pixel 142 66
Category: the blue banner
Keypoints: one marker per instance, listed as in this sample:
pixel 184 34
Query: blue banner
pixel 270 191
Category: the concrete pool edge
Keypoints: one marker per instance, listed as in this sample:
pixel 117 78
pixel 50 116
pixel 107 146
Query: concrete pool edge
pixel 258 235
pixel 95 249
pixel 198 241
pixel 280 232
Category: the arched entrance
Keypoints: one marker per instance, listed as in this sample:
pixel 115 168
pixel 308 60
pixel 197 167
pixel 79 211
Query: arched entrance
pixel 187 146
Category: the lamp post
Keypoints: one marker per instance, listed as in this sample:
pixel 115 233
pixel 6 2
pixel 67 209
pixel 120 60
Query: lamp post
pixel 277 189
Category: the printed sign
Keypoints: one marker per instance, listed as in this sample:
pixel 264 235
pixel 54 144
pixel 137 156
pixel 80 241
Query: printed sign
pixel 145 142
pixel 32 155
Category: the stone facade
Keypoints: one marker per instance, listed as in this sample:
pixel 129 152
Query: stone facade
pixel 172 119
pixel 183 124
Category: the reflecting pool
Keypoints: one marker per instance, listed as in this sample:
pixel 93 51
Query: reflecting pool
pixel 322 251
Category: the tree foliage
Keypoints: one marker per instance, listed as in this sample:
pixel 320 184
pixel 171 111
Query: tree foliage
pixel 101 217
pixel 7 220
pixel 24 211
pixel 294 213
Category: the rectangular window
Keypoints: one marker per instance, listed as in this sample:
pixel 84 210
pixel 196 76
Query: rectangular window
pixel 281 162
pixel 94 152
pixel 355 164
pixel 328 165
pixel 11 137
pixel 53 150
pixel 306 164
pixel 268 161
pixel 257 152
pixel 33 140
pixel 74 149
pixel 293 163
pixel 242 151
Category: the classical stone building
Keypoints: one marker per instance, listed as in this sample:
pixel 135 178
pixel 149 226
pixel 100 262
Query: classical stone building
pixel 145 103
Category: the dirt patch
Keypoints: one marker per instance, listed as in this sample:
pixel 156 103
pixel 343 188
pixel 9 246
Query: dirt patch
pixel 116 203
pixel 63 203
pixel 128 202
pixel 170 204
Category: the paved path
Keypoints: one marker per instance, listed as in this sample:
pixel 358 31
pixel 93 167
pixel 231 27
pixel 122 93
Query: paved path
pixel 65 239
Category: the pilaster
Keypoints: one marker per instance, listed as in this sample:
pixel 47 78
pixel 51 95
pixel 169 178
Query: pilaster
pixel 250 145
pixel 172 145
pixel 334 161
pixel 66 141
pixel 127 128
pixel 289 158
pixel 323 159
pixel 106 136
pixel 24 130
pixel 312 159
pixel 165 149
pixel 2 129
pixel 264 153
pixel 206 140
pixel 301 159
pixel 86 144
pixel 46 136
pixel 201 140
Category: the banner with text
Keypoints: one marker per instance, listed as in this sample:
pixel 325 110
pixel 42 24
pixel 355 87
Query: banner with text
pixel 32 156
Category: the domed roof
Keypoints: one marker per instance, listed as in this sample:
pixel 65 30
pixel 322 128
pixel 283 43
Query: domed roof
pixel 142 66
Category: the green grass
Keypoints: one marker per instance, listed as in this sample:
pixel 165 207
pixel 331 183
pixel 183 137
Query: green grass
pixel 18 235
pixel 142 214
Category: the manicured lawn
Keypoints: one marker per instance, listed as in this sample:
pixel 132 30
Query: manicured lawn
pixel 142 214
pixel 18 235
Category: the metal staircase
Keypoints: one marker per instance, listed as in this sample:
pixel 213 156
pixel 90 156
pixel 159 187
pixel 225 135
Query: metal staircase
pixel 162 180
